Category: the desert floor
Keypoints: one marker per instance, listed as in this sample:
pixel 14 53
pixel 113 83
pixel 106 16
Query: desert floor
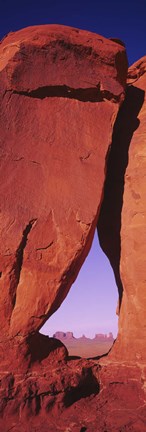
pixel 88 348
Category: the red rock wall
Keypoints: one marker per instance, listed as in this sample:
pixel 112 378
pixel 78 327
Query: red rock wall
pixel 132 324
pixel 122 221
pixel 60 93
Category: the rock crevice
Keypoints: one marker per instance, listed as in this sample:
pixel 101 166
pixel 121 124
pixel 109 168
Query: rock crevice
pixel 16 269
pixel 91 94
pixel 109 221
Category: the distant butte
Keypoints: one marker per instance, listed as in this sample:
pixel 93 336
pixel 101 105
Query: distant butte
pixel 72 152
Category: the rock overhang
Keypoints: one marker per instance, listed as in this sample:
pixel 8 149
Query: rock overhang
pixel 95 60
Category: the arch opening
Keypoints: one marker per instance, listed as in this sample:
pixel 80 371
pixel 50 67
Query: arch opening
pixel 77 305
pixel 86 322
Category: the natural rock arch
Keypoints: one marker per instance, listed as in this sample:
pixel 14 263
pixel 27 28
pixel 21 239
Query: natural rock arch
pixel 59 167
pixel 89 309
pixel 74 81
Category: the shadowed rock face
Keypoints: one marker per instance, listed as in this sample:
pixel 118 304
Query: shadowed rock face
pixel 60 93
pixel 121 224
pixel 133 232
pixel 61 89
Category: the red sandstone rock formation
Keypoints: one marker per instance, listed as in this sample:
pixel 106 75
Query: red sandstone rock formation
pixel 132 324
pixel 79 395
pixel 60 93
pixel 59 88
pixel 122 220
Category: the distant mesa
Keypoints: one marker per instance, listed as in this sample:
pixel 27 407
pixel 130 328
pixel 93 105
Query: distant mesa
pixel 99 337
pixel 61 335
pixel 104 337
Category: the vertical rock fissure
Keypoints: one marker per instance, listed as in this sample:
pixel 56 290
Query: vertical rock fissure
pixel 17 267
pixel 109 222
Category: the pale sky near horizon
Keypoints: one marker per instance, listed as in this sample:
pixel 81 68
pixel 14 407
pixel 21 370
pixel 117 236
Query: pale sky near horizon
pixel 90 305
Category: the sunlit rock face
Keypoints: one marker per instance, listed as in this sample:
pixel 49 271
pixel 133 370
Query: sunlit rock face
pixel 61 89
pixel 60 93
pixel 122 219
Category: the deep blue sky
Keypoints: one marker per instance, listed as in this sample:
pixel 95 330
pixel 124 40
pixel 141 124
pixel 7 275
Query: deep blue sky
pixel 90 305
pixel 124 19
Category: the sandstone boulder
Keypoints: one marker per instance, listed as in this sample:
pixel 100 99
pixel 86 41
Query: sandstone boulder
pixel 60 93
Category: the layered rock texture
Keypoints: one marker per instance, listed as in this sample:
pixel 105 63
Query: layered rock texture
pixel 60 92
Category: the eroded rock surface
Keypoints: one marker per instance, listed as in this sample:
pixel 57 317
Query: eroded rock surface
pixel 60 93
pixel 61 89
pixel 75 396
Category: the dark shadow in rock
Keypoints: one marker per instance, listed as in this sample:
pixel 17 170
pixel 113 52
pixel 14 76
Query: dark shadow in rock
pixel 91 94
pixel 40 346
pixel 99 356
pixel 73 357
pixel 109 222
pixel 87 386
